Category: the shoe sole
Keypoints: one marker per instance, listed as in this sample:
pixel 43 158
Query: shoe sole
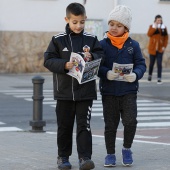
pixel 87 166
pixel 127 164
pixel 64 168
pixel 110 165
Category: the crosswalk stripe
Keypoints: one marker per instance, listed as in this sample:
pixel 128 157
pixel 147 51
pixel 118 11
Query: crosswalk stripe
pixel 142 114
pixel 26 95
pixel 153 113
pixel 144 101
pixel 22 96
pixel 2 123
pixel 152 104
pixel 48 102
pixel 154 108
pixel 154 124
pixel 154 118
pixel 9 129
pixel 148 110
pixel 139 109
pixel 4 129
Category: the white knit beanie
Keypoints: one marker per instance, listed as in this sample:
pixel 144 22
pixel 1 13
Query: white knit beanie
pixel 121 14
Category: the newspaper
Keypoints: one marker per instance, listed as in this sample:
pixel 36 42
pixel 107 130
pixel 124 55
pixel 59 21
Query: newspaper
pixel 122 69
pixel 83 71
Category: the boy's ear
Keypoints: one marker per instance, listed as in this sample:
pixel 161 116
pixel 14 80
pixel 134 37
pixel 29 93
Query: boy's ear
pixel 66 19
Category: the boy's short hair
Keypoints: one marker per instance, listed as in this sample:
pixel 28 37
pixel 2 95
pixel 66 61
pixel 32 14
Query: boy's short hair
pixel 75 9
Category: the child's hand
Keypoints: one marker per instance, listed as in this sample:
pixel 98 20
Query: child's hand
pixel 111 75
pixel 130 77
pixel 87 56
pixel 69 65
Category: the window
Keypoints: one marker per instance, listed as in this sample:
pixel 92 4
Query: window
pixel 95 27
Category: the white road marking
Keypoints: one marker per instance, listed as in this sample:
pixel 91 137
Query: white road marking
pixel 2 123
pixel 154 124
pixel 9 129
pixel 154 118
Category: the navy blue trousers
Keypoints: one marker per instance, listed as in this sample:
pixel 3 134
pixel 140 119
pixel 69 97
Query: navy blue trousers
pixel 153 58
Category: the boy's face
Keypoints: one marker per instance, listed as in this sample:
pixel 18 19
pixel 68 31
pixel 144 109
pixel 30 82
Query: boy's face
pixel 117 29
pixel 76 23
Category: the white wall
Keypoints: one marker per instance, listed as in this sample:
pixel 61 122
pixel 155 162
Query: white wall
pixel 45 15
pixel 144 12
pixel 48 15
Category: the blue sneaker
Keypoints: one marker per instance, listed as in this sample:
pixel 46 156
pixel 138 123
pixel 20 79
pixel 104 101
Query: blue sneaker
pixel 63 163
pixel 127 159
pixel 86 164
pixel 110 160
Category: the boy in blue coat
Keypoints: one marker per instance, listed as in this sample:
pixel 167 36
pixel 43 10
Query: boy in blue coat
pixel 74 100
pixel 119 95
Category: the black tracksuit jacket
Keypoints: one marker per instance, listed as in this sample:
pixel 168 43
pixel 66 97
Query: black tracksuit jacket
pixel 56 56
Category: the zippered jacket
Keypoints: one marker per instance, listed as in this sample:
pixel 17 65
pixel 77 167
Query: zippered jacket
pixel 129 54
pixel 56 56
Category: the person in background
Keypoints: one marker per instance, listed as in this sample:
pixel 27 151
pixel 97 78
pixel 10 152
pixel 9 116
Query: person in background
pixel 158 40
pixel 74 100
pixel 119 97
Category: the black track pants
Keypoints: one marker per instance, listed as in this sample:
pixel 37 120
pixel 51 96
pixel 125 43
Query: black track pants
pixel 66 111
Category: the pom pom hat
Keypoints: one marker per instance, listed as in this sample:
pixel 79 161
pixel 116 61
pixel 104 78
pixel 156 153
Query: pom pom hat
pixel 121 14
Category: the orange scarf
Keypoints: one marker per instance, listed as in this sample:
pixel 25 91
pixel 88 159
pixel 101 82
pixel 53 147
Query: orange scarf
pixel 118 41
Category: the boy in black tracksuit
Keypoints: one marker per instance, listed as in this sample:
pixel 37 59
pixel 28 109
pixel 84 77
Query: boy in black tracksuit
pixel 73 99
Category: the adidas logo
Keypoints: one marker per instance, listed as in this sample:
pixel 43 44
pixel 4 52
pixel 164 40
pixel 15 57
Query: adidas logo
pixel 65 49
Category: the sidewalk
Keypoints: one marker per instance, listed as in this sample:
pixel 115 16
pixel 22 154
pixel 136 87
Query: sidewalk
pixel 37 151
pixel 24 150
pixel 152 89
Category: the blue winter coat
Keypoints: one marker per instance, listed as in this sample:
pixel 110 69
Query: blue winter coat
pixel 130 53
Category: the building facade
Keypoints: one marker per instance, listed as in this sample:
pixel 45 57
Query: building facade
pixel 26 27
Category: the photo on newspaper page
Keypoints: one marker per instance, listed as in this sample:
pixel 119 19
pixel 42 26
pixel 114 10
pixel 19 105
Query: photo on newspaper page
pixel 122 69
pixel 78 68
pixel 83 71
pixel 90 71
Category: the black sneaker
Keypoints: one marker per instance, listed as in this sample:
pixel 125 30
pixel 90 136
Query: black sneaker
pixel 86 164
pixel 159 82
pixel 149 78
pixel 63 163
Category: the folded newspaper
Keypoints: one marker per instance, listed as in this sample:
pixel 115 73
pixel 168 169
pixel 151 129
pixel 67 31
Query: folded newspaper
pixel 122 69
pixel 83 71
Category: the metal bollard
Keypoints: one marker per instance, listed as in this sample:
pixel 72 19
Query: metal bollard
pixel 37 123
